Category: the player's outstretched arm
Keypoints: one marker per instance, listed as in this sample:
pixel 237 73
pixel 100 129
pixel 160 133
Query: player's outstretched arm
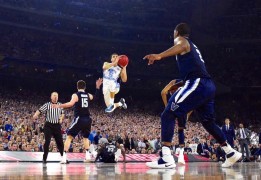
pixel 165 91
pixel 124 76
pixel 179 47
pixel 98 86
pixel 74 99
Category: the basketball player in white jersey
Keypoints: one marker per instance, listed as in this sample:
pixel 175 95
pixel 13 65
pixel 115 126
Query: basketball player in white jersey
pixel 111 74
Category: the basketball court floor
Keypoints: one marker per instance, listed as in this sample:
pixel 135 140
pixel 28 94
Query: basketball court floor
pixel 128 171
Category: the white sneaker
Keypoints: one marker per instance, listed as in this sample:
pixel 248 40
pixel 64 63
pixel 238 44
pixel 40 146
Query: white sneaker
pixel 181 159
pixel 64 160
pixel 232 156
pixel 87 156
pixel 94 154
pixel 165 162
pixel 92 151
pixel 117 155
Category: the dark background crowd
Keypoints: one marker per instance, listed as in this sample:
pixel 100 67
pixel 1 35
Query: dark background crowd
pixel 48 45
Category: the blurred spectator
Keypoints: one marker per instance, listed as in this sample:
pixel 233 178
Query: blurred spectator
pixel 203 149
pixel 229 132
pixel 97 138
pixel 129 143
pixel 157 144
pixel 217 153
pixel 187 149
pixel 243 135
pixel 103 139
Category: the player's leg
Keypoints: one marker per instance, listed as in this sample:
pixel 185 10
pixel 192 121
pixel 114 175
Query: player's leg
pixel 114 89
pixel 206 113
pixel 181 102
pixel 122 102
pixel 123 152
pixel 181 127
pixel 106 95
pixel 188 115
pixel 86 144
pixel 85 131
pixel 67 142
pixel 47 137
pixel 73 131
pixel 58 138
pixel 120 151
pixel 168 118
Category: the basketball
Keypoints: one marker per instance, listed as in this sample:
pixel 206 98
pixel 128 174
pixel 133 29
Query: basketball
pixel 123 60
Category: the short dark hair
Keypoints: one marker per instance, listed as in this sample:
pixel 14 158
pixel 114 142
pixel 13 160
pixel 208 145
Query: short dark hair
pixel 114 54
pixel 81 84
pixel 183 29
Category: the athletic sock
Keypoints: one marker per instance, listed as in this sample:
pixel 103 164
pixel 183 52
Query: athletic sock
pixel 111 101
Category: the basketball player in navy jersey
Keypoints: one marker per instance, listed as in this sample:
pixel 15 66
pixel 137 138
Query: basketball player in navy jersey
pixel 197 94
pixel 110 152
pixel 82 120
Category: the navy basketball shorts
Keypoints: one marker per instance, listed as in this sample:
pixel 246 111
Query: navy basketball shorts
pixel 197 94
pixel 80 125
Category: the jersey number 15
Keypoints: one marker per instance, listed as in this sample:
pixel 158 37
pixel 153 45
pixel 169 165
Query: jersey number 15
pixel 84 102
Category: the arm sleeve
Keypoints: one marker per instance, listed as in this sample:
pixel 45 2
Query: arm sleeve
pixel 43 108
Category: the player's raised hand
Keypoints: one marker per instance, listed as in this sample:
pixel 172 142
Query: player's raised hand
pixel 152 57
pixel 98 83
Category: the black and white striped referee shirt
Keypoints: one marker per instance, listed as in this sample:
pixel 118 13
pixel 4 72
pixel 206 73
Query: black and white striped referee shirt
pixel 52 115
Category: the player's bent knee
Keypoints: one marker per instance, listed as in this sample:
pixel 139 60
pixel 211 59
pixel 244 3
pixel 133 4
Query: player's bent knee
pixel 167 115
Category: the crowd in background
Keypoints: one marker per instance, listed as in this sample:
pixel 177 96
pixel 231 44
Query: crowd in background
pixel 137 130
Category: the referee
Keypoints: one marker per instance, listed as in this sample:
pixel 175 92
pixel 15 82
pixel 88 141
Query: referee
pixel 52 126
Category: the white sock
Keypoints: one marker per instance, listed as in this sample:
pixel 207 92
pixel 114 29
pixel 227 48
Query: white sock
pixel 228 149
pixel 120 104
pixel 181 151
pixel 166 151
pixel 111 100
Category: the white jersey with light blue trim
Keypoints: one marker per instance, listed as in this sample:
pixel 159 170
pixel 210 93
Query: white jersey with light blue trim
pixel 112 74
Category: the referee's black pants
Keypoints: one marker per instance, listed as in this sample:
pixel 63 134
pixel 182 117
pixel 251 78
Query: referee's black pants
pixel 54 130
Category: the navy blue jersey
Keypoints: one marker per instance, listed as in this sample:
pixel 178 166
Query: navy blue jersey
pixel 191 65
pixel 81 108
pixel 110 148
